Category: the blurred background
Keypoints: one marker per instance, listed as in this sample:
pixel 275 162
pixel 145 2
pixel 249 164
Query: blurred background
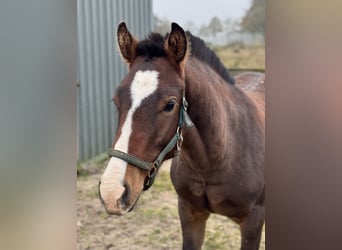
pixel 41 44
pixel 233 29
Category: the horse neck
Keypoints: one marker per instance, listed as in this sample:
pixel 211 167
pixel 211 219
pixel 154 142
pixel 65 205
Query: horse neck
pixel 211 109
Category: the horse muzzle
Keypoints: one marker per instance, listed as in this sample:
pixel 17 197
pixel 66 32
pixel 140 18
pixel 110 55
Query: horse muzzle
pixel 115 198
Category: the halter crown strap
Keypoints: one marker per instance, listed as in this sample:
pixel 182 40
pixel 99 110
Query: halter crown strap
pixel 152 167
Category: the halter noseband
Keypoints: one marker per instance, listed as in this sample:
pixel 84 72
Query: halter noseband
pixel 176 140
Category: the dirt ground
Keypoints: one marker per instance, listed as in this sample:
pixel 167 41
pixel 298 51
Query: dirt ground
pixel 153 224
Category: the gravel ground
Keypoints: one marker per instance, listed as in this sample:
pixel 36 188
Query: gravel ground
pixel 153 224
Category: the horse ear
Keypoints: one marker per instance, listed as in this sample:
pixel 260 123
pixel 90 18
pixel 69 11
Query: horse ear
pixel 127 43
pixel 177 43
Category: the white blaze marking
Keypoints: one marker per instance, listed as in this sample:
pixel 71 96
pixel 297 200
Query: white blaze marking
pixel 143 85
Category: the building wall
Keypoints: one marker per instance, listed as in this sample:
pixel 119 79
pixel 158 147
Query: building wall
pixel 100 67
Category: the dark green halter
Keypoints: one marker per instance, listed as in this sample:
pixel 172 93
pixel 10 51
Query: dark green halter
pixel 152 167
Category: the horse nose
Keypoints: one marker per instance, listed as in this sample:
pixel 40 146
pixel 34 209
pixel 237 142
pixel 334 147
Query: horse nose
pixel 124 199
pixel 115 197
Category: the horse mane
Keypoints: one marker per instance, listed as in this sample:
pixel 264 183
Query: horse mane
pixel 153 46
pixel 202 52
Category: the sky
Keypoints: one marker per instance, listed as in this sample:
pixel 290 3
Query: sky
pixel 200 11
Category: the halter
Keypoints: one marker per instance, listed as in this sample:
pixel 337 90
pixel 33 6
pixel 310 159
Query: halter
pixel 176 140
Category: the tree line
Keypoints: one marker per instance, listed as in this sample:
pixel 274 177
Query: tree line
pixel 253 22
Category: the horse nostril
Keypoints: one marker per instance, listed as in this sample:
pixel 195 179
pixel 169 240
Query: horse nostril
pixel 125 198
pixel 99 191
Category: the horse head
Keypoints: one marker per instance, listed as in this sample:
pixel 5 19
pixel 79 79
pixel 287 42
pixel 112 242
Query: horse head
pixel 152 111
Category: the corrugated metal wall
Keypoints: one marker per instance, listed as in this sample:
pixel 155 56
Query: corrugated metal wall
pixel 100 67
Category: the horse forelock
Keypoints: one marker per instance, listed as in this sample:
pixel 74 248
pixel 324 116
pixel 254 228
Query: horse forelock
pixel 152 46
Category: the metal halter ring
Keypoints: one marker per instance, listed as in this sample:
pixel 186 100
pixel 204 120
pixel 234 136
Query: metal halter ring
pixel 152 171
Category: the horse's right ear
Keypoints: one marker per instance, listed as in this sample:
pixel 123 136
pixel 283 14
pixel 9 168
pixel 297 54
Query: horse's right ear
pixel 177 43
pixel 127 43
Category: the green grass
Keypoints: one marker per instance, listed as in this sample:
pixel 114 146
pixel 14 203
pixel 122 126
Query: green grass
pixel 81 171
pixel 98 163
pixel 241 56
pixel 164 182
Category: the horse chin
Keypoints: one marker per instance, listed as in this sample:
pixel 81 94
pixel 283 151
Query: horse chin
pixel 116 212
pixel 133 204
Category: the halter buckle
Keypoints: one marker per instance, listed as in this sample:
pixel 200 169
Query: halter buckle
pixel 180 139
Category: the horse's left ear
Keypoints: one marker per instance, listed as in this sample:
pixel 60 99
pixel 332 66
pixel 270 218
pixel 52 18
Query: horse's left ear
pixel 177 43
pixel 127 43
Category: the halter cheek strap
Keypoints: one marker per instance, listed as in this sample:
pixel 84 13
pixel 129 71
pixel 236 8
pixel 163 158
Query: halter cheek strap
pixel 152 167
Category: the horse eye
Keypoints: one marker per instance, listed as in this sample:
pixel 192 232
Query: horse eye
pixel 170 105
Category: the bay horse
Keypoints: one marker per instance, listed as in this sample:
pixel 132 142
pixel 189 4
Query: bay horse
pixel 179 102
